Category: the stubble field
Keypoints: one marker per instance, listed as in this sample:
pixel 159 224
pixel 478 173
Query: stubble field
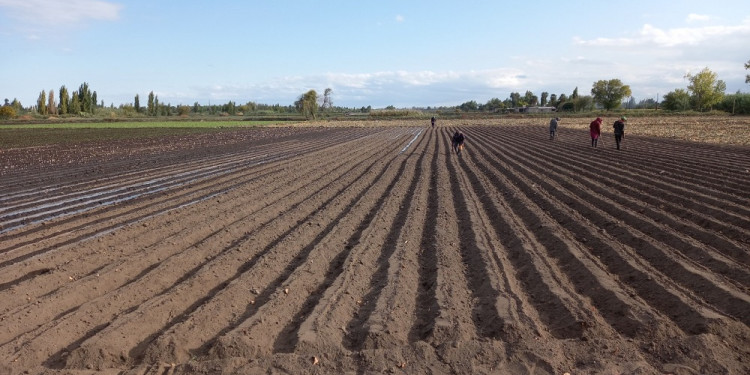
pixel 374 249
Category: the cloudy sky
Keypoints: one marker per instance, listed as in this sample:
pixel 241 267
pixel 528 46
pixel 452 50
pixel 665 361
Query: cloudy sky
pixel 403 53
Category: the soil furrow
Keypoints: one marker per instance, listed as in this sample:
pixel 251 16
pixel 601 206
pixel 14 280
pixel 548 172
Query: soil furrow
pixel 529 271
pixel 166 241
pixel 426 302
pixel 367 333
pixel 118 215
pixel 190 176
pixel 700 255
pixel 650 251
pixel 157 314
pixel 660 173
pixel 315 276
pixel 485 315
pixel 653 183
pixel 184 277
pixel 724 224
pixel 377 250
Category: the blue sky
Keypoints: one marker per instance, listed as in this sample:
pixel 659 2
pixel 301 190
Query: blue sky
pixel 379 53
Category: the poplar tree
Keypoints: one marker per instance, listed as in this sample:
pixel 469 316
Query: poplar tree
pixel 151 109
pixel 64 100
pixel 137 104
pixel 41 103
pixel 75 104
pixel 84 98
pixel 51 105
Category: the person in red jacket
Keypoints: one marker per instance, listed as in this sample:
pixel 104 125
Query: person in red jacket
pixel 596 130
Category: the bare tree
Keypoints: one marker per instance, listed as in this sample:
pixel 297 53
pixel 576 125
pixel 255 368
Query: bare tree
pixel 327 100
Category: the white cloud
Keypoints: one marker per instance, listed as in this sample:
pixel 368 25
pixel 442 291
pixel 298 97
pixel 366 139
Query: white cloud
pixel 399 18
pixel 399 87
pixel 651 35
pixel 692 17
pixel 55 12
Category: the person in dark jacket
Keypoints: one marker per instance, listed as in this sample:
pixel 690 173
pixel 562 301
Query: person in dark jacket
pixel 553 127
pixel 458 142
pixel 619 127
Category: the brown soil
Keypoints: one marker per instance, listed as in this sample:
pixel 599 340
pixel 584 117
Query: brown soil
pixel 375 249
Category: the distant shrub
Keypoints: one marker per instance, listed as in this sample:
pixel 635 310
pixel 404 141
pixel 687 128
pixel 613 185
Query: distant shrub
pixel 396 113
pixel 567 107
pixel 7 112
pixel 738 104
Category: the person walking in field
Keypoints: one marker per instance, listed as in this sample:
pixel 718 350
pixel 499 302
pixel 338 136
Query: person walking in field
pixel 458 142
pixel 432 120
pixel 595 129
pixel 553 127
pixel 619 127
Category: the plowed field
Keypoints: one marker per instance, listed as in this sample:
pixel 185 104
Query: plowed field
pixel 376 249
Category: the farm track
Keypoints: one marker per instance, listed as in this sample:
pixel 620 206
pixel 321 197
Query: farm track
pixel 377 249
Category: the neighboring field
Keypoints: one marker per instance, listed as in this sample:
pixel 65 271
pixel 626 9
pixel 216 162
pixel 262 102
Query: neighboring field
pixel 374 249
pixel 29 135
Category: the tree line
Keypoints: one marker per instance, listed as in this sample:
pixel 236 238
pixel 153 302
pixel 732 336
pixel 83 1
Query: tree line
pixel 704 92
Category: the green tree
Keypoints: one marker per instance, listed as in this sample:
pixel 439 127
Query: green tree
pixel 16 105
pixel 677 100
pixel 574 95
pixel 137 103
pixel 747 76
pixel 230 108
pixel 530 98
pixel 545 95
pixel 251 106
pixel 64 100
pixel 553 100
pixel 307 104
pixel 567 106
pixel 609 94
pixel 150 107
pixel 84 98
pixel 583 103
pixel 515 99
pixel 737 104
pixel 705 89
pixel 75 104
pixel 41 103
pixel 469 106
pixel 494 105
